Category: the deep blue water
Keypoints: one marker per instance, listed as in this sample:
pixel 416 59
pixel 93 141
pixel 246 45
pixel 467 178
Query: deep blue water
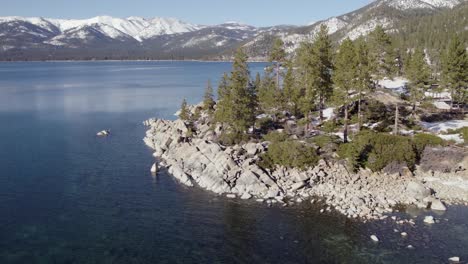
pixel 67 196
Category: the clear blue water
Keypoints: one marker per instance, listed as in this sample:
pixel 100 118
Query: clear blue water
pixel 67 196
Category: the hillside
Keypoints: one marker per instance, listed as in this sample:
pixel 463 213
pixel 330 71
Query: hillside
pixel 104 37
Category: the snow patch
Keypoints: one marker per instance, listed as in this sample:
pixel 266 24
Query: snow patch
pixel 397 84
pixel 441 127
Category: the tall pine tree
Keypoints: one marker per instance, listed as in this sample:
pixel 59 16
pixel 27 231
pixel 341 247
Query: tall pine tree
pixel 237 99
pixel 418 73
pixel 364 82
pixel 208 98
pixel 455 70
pixel 291 91
pixel 321 76
pixel 383 57
pixel 277 56
pixel 345 79
pixel 184 111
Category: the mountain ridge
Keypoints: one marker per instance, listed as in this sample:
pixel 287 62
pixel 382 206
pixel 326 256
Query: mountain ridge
pixel 106 37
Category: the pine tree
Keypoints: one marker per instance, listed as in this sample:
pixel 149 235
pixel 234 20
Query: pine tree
pixel 269 95
pixel 321 75
pixel 224 107
pixel 208 98
pixel 291 92
pixel 418 73
pixel 345 78
pixel 382 53
pixel 364 82
pixel 237 102
pixel 455 70
pixel 184 111
pixel 277 56
pixel 258 81
pixel 305 68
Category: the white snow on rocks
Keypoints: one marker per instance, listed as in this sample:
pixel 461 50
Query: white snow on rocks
pixel 133 27
pixel 440 127
pixel 397 84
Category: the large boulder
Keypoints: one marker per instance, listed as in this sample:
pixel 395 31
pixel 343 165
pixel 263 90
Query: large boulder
pixel 417 190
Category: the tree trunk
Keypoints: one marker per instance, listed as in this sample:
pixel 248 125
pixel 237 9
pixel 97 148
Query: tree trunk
pixel 345 130
pixel 321 109
pixel 277 75
pixel 359 113
pixel 395 129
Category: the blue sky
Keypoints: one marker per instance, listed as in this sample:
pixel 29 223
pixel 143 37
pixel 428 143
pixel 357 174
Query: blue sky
pixel 254 12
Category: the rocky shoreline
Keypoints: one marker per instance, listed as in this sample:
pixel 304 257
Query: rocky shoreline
pixel 196 160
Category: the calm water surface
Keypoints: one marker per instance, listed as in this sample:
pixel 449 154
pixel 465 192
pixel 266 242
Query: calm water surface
pixel 67 196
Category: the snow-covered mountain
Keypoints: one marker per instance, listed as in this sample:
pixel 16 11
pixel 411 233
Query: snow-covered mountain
pixel 354 24
pixel 105 37
pixel 134 27
pixel 420 4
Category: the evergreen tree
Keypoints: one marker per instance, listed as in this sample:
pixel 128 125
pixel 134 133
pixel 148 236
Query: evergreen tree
pixel 224 107
pixel 236 106
pixel 455 70
pixel 208 98
pixel 305 68
pixel 184 111
pixel 258 81
pixel 278 56
pixel 418 73
pixel 269 95
pixel 345 78
pixel 382 53
pixel 364 82
pixel 291 92
pixel 321 76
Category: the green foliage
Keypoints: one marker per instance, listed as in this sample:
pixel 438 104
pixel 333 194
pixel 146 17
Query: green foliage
pixel 377 150
pixel 184 111
pixel 329 126
pixel 208 98
pixel 455 70
pixel 232 138
pixel 314 63
pixel 277 53
pixel 382 53
pixel 432 31
pixel 421 141
pixel 292 93
pixel 196 115
pixel 269 96
pixel 363 69
pixel 462 131
pixel 237 96
pixel 345 74
pixel 418 73
pixel 265 124
pixel 288 153
pixel 324 140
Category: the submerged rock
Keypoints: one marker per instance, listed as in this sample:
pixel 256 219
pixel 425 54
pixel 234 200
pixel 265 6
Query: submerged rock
pixel 374 238
pixel 454 259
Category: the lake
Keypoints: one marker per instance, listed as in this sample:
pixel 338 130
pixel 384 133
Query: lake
pixel 67 196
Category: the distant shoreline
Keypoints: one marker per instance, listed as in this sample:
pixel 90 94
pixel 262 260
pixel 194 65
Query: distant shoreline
pixel 212 61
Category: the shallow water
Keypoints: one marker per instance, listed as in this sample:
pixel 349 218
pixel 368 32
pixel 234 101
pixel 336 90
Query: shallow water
pixel 67 196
